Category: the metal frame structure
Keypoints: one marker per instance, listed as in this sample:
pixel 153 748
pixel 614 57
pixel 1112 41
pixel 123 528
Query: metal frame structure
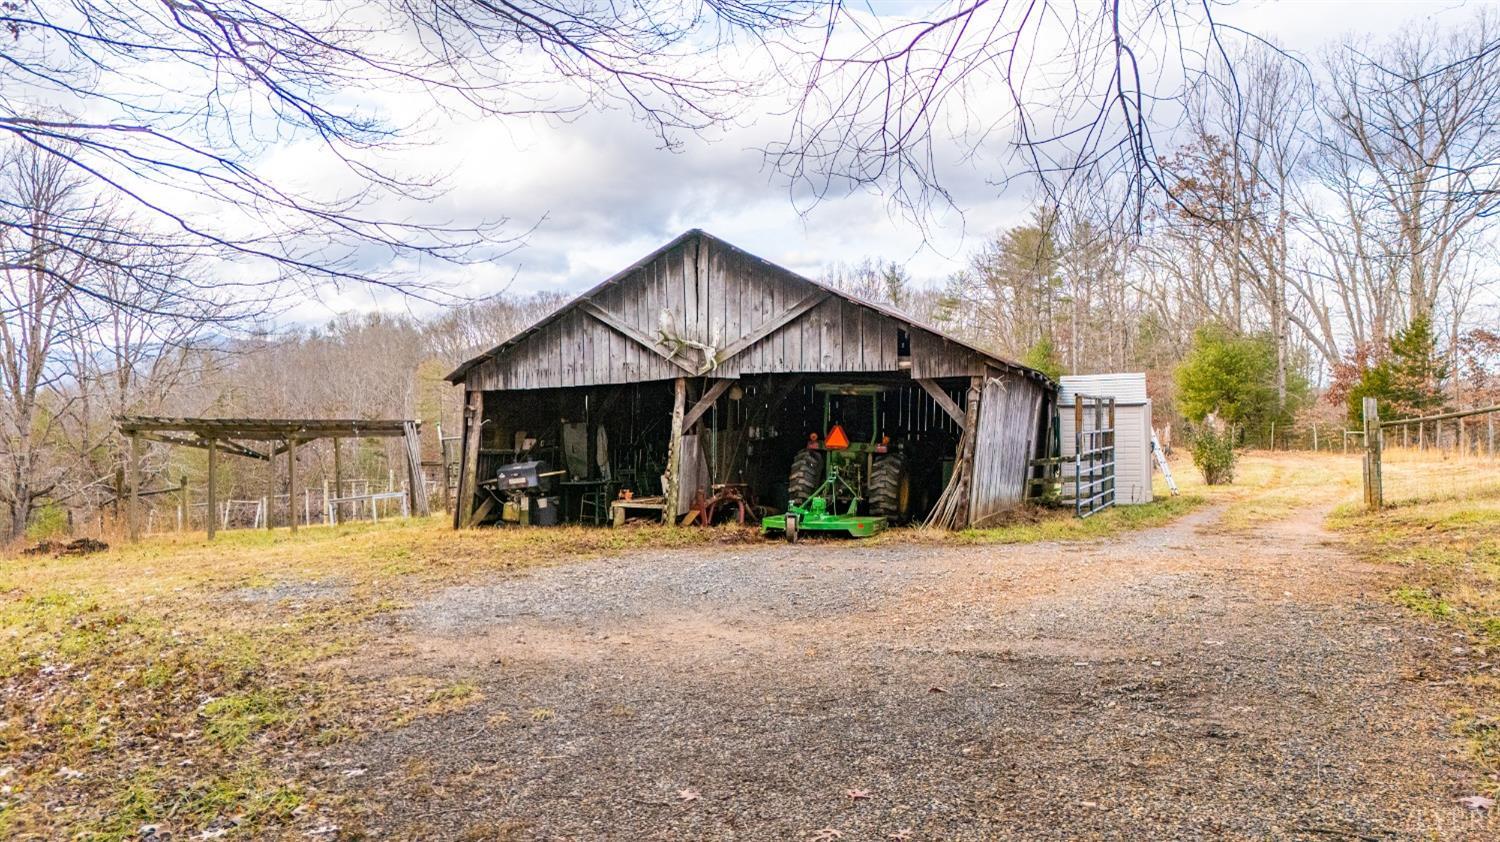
pixel 1093 455
pixel 226 435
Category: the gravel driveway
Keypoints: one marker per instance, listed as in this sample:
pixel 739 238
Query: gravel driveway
pixel 1183 682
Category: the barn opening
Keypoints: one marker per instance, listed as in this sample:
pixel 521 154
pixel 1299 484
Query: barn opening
pixel 692 381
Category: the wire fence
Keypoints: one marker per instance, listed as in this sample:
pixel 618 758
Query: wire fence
pixel 358 500
pixel 1450 455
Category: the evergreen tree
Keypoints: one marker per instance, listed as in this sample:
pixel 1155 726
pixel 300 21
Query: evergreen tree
pixel 1408 382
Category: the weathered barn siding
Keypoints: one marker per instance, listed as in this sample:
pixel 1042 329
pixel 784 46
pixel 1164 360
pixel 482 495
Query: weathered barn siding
pixel 722 297
pixel 757 318
pixel 1010 414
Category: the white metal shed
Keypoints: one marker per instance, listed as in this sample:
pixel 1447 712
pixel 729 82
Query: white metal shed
pixel 1132 428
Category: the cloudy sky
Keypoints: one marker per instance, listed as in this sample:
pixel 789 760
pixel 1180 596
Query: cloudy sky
pixel 601 192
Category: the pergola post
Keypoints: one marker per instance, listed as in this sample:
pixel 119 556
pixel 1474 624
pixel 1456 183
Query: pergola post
pixel 133 515
pixel 338 482
pixel 291 481
pixel 212 521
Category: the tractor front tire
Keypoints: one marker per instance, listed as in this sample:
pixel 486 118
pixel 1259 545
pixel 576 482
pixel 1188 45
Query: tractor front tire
pixel 805 477
pixel 890 488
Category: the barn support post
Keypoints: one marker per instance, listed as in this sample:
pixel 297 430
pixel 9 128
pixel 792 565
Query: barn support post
pixel 291 482
pixel 970 437
pixel 468 474
pixel 182 502
pixel 211 516
pixel 134 514
pixel 671 488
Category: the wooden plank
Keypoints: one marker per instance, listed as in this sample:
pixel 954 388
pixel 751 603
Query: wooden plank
pixel 810 301
pixel 704 403
pixel 416 489
pixel 674 452
pixel 941 398
pixel 629 332
pixel 134 512
pixel 830 336
pixel 468 474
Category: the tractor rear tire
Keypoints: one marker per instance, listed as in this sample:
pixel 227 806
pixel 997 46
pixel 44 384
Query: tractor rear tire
pixel 890 488
pixel 805 477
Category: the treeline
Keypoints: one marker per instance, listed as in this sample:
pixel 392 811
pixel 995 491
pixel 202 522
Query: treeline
pixel 1322 231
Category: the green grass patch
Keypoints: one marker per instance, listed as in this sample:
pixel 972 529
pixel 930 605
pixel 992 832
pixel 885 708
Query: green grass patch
pixel 1036 524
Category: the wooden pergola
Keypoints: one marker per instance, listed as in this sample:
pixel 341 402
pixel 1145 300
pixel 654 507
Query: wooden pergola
pixel 276 436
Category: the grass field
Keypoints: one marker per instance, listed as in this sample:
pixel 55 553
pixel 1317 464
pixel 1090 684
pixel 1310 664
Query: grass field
pixel 1442 531
pixel 197 685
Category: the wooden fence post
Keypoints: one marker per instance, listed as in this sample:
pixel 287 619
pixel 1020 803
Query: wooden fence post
pixel 182 503
pixel 338 483
pixel 134 513
pixel 1374 494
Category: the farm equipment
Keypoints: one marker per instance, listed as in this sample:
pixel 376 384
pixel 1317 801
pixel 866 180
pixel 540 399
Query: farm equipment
pixel 841 485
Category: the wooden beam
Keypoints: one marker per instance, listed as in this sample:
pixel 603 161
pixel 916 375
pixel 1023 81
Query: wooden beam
pixel 941 398
pixel 232 448
pixel 464 515
pixel 213 497
pixel 133 514
pixel 265 429
pixel 416 489
pixel 781 320
pixel 291 483
pixel 670 491
pixel 629 332
pixel 718 388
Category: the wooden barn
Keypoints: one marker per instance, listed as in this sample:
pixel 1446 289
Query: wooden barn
pixel 697 375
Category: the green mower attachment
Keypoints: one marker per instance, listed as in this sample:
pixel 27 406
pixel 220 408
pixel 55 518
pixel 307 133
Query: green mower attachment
pixel 814 515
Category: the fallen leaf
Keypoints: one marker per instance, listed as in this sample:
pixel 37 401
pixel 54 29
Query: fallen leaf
pixel 827 834
pixel 1477 802
pixel 902 834
pixel 687 794
pixel 858 794
pixel 936 689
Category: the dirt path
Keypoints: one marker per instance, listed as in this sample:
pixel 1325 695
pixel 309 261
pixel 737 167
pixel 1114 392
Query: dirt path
pixel 1184 682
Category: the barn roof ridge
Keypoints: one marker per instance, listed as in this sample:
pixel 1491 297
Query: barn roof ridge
pixel 889 312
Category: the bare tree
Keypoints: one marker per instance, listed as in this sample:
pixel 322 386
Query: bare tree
pixel 167 109
pixel 1411 153
pixel 1068 94
pixel 39 268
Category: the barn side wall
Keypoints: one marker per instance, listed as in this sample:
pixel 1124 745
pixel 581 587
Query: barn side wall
pixel 1011 411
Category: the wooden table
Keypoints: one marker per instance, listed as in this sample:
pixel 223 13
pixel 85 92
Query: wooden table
pixel 620 509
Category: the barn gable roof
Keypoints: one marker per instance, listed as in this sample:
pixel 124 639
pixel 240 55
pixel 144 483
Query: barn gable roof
pixel 585 303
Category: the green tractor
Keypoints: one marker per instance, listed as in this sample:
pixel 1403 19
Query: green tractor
pixel 840 485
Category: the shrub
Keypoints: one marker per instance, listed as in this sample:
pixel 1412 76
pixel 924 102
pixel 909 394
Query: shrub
pixel 48 521
pixel 1213 454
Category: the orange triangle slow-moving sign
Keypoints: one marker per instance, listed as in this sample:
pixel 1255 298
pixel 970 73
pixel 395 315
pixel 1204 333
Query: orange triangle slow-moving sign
pixel 836 440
